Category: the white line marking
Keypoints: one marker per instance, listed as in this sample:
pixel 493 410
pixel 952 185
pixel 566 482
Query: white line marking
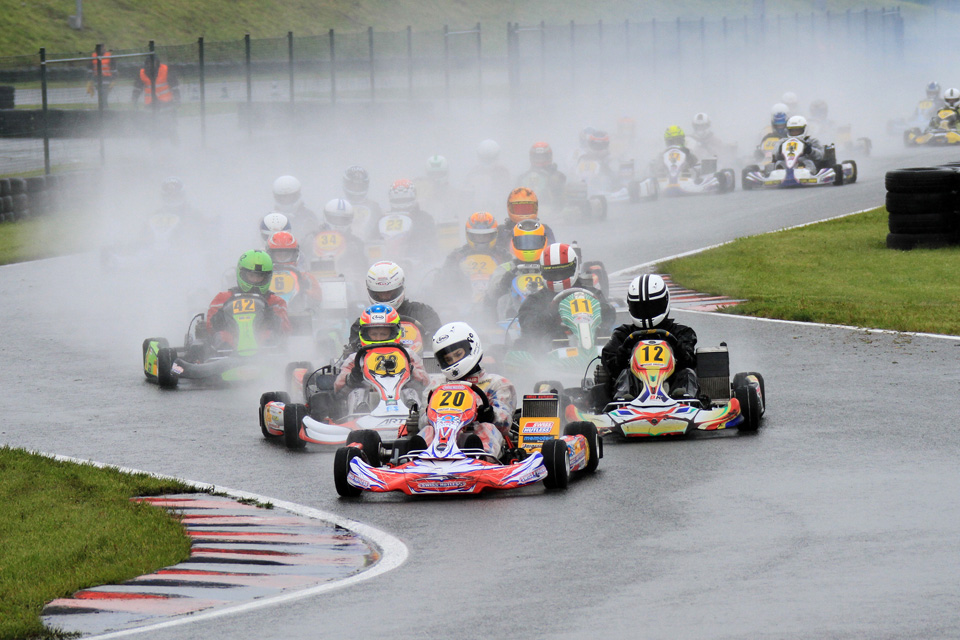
pixel 393 551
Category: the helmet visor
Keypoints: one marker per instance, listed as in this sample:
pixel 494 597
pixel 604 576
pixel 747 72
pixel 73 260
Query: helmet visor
pixel 529 243
pixel 255 278
pixel 286 198
pixel 558 272
pixel 453 353
pixel 648 309
pixel 285 256
pixel 385 296
pixel 528 209
pixel 374 333
pixel 796 131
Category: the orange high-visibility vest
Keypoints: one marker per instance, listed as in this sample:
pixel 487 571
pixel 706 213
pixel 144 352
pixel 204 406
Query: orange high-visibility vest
pixel 163 89
pixel 105 69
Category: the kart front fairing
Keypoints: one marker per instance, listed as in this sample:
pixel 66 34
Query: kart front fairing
pixel 676 177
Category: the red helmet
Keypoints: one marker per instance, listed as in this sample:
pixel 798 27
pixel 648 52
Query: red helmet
pixel 283 248
pixel 402 195
pixel 560 266
pixel 541 155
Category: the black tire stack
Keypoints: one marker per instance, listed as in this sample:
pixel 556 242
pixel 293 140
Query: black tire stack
pixel 923 206
pixel 22 198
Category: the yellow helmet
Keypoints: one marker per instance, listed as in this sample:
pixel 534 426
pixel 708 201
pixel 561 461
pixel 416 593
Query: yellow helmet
pixel 674 136
pixel 529 239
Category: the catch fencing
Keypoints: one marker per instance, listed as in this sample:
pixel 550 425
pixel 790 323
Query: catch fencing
pixel 67 112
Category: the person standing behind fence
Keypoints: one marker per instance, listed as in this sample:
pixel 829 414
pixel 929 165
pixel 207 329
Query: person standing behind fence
pixel 106 70
pixel 165 86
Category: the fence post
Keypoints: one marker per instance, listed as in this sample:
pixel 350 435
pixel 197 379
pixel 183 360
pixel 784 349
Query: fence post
pixel 152 74
pixel 247 64
pixel 600 48
pixel 543 58
pixel 101 102
pixel 512 79
pixel 43 102
pixel 203 93
pixel 479 65
pixel 333 69
pixel 373 90
pixel 446 63
pixel 573 53
pixel 409 62
pixel 290 64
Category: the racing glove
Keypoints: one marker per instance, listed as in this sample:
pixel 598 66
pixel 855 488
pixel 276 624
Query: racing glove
pixel 486 414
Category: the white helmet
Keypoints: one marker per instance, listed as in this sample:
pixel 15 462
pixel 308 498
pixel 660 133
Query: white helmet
pixel 701 122
pixel 648 301
pixel 790 98
pixel 778 108
pixel 402 195
pixel 272 223
pixel 286 194
pixel 385 284
pixel 488 151
pixel 338 213
pixel 457 349
pixel 438 167
pixel 951 97
pixel 796 125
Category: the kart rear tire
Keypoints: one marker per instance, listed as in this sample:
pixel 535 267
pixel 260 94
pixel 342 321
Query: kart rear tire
pixel 854 174
pixel 908 241
pixel 920 203
pixel 166 378
pixel 598 207
pixel 921 222
pixel 292 418
pixel 838 180
pixel 161 344
pixel 271 396
pixel 729 177
pixel 291 367
pixel 556 459
pixel 745 184
pixel 922 180
pixel 403 446
pixel 341 468
pixel 750 407
pixel 589 431
pixel 368 442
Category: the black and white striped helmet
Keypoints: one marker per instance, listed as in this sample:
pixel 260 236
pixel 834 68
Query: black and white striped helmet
pixel 648 300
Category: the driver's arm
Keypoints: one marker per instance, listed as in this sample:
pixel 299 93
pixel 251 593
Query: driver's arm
pixel 278 306
pixel 613 356
pixel 216 305
pixel 686 352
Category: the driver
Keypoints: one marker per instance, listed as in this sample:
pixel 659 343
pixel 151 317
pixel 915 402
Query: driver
pixel 648 301
pixel 254 273
pixel 674 137
pixel 812 149
pixel 385 286
pixel 379 325
pixel 458 351
pixel 951 101
pixel 538 318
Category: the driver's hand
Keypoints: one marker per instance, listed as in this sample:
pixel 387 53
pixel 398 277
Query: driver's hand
pixel 486 414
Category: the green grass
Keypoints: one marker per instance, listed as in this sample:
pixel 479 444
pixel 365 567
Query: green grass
pixel 837 272
pixel 122 24
pixel 44 236
pixel 68 526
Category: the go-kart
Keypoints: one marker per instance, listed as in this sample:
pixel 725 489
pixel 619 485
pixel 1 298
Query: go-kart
pixel 794 171
pixel 456 460
pixel 939 132
pixel 614 186
pixel 203 358
pixel 381 404
pixel 653 412
pixel 478 267
pixel 763 154
pixel 926 109
pixel 676 178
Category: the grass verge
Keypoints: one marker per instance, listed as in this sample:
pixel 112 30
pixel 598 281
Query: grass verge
pixel 68 526
pixel 836 272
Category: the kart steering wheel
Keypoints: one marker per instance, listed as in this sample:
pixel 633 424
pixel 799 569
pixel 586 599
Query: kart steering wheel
pixel 485 406
pixel 555 303
pixel 362 351
pixel 652 334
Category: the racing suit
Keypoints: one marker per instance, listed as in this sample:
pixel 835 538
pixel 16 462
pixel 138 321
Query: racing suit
pixel 352 259
pixel 812 151
pixel 689 163
pixel 455 280
pixel 304 223
pixel 616 354
pixel 501 285
pixel 422 313
pixel 547 182
pixel 493 430
pixel 276 326
pixel 540 323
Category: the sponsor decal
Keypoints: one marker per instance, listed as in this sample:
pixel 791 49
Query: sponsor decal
pixel 537 427
pixel 358 480
pixel 440 484
pixel 443 338
pixel 177 369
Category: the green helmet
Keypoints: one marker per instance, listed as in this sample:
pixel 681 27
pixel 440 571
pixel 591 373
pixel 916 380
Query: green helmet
pixel 254 272
pixel 674 136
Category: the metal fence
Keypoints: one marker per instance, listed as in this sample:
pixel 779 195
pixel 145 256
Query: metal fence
pixel 267 82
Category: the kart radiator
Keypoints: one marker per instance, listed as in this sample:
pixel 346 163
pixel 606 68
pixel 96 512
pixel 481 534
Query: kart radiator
pixel 541 405
pixel 713 370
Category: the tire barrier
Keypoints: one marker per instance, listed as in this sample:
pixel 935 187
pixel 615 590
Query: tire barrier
pixel 923 204
pixel 23 198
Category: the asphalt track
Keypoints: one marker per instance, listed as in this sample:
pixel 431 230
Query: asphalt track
pixel 839 519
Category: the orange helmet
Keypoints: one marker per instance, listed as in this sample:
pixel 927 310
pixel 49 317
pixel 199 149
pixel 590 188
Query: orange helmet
pixel 522 204
pixel 541 155
pixel 283 248
pixel 482 229
pixel 529 239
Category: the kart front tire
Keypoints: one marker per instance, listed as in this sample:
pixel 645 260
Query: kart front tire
pixel 745 184
pixel 161 344
pixel 341 468
pixel 369 443
pixel 271 396
pixel 557 462
pixel 838 180
pixel 292 418
pixel 749 400
pixel 854 174
pixel 166 378
pixel 589 431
